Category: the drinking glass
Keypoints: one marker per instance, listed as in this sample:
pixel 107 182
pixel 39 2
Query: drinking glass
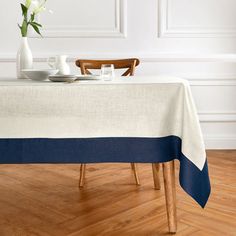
pixel 107 71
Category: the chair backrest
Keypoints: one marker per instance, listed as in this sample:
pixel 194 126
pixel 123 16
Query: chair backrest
pixel 128 64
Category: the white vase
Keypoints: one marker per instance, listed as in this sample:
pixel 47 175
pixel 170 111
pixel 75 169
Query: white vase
pixel 24 58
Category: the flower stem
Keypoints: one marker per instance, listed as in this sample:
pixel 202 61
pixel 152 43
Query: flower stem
pixel 24 28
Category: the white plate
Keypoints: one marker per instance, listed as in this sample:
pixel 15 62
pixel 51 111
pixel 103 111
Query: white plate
pixel 72 78
pixel 62 78
pixel 88 77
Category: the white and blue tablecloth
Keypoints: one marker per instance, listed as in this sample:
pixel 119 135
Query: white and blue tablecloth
pixel 136 119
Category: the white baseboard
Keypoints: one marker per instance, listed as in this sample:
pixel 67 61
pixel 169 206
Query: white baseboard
pixel 220 142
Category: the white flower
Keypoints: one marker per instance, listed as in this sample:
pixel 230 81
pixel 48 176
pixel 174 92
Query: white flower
pixel 39 6
pixel 35 4
pixel 28 3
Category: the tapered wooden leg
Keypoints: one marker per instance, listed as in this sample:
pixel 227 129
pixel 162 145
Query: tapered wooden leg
pixel 82 175
pixel 170 194
pixel 134 168
pixel 156 175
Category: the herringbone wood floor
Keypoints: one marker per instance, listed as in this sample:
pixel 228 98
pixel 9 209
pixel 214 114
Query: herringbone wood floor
pixel 45 200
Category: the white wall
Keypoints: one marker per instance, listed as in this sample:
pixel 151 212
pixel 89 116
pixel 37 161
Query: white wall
pixel 194 39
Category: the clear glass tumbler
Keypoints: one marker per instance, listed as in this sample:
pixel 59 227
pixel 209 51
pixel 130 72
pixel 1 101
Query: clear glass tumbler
pixel 107 71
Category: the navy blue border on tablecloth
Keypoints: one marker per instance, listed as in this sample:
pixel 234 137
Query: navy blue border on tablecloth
pixel 118 149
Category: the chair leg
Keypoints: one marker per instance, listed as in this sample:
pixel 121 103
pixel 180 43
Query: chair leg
pixel 156 177
pixel 132 165
pixel 82 175
pixel 170 195
pixel 134 168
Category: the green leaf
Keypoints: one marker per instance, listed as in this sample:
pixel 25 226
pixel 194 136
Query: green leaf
pixel 37 24
pixel 32 17
pixel 24 10
pixel 35 28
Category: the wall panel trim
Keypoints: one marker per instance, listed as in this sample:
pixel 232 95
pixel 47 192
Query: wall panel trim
pixel 165 30
pixel 154 57
pixel 217 116
pixel 119 31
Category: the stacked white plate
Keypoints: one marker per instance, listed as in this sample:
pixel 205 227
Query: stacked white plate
pixel 72 78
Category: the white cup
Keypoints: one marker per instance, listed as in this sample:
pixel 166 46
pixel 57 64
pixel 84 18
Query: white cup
pixel 59 63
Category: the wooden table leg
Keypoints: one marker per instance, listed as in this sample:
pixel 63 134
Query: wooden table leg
pixel 134 168
pixel 170 194
pixel 156 177
pixel 82 175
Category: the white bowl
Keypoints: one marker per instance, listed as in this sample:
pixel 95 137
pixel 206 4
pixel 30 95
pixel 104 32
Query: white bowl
pixel 39 75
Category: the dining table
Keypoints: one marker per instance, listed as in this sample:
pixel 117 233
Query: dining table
pixel 136 119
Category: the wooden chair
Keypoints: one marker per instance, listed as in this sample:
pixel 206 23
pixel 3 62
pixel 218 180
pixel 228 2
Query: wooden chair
pixel 128 64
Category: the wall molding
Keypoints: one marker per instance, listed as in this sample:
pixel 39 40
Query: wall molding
pixel 165 30
pixel 217 116
pixel 180 57
pixel 119 31
pixel 145 58
pixel 211 81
